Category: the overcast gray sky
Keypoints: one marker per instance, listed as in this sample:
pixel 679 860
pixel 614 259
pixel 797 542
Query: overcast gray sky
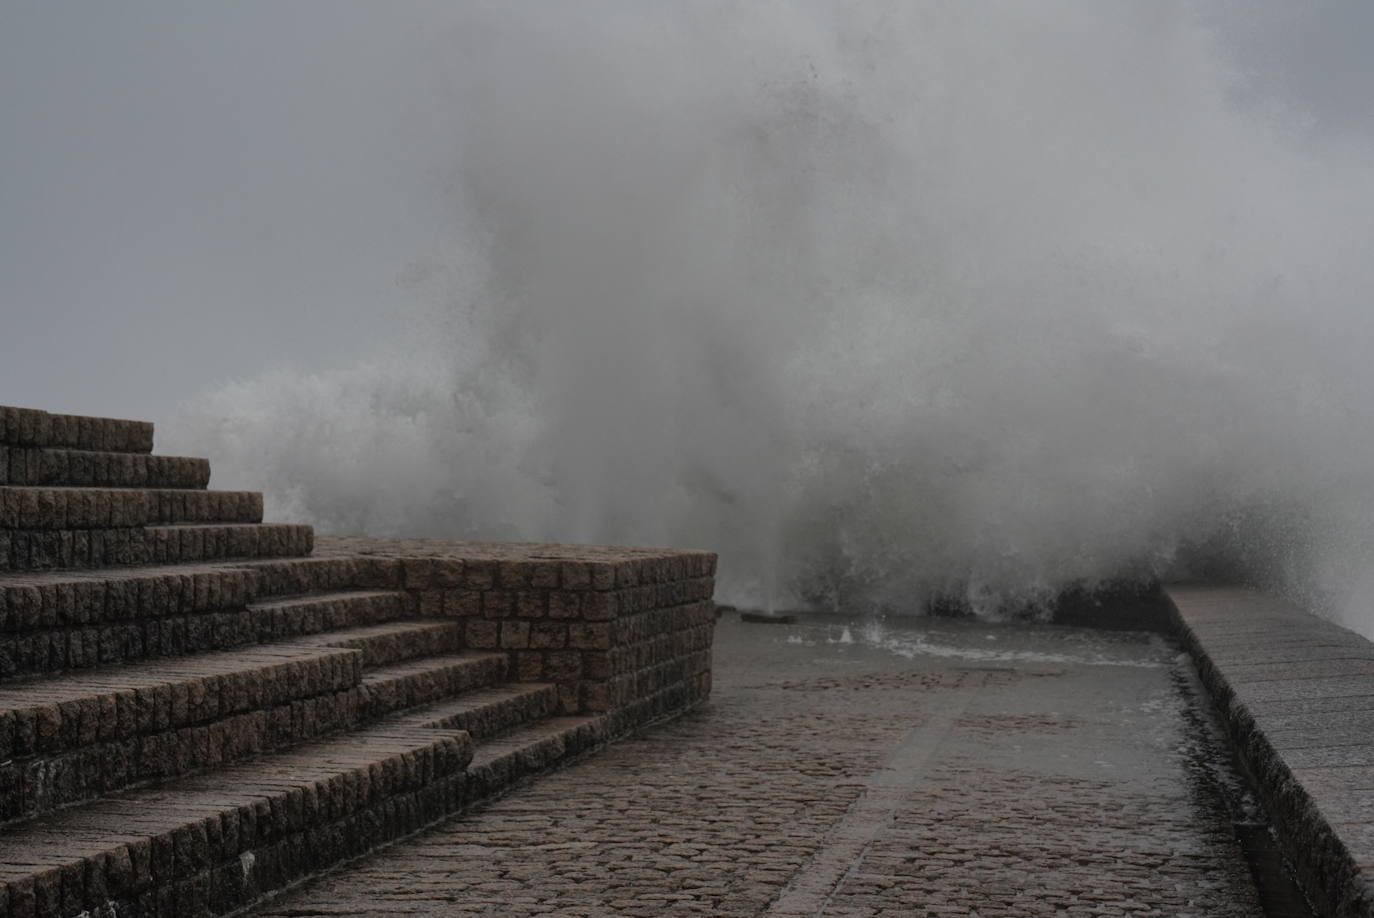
pixel 191 192
pixel 194 192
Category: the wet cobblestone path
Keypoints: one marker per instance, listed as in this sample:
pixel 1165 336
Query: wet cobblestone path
pixel 938 769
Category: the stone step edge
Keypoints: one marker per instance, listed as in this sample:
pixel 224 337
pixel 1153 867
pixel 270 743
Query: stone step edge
pixel 47 602
pixel 25 551
pixel 411 684
pixel 324 694
pixel 574 738
pixel 49 716
pixel 175 869
pixel 66 712
pixel 32 646
pixel 35 428
pixel 216 842
pixel 494 758
pixel 45 507
pixel 395 641
pixel 62 467
pixel 505 704
pixel 228 541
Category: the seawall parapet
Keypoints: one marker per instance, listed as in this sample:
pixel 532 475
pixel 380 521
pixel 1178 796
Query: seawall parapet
pixel 1296 694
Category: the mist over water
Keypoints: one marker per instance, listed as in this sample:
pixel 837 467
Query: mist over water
pixel 880 301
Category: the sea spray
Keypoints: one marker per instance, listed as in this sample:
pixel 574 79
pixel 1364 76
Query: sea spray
pixel 883 302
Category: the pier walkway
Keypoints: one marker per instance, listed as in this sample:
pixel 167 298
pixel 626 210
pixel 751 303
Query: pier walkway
pixel 942 768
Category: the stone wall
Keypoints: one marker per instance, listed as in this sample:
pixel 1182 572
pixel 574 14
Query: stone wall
pixel 196 711
pixel 624 633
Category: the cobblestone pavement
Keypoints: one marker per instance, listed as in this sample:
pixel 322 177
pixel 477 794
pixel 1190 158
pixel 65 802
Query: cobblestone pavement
pixel 938 769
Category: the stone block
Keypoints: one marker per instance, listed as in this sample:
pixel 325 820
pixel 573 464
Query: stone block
pixel 562 666
pixel 462 603
pixel 479 575
pixel 431 603
pixel 599 606
pixel 589 636
pixel 515 635
pixel 531 603
pixel 596 697
pixel 514 575
pixel 498 604
pixel 529 665
pixel 548 635
pixel 418 573
pixel 565 605
pixel 481 634
pixel 575 575
pixel 603 575
pixel 596 666
pixel 449 573
pixel 543 575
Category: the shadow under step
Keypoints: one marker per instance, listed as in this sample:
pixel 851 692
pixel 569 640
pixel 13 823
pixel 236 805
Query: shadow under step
pixel 213 843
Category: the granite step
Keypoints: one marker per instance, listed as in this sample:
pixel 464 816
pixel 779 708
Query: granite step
pixel 88 469
pixel 213 843
pixel 486 713
pixel 394 641
pixel 65 549
pixel 306 616
pixel 401 686
pixel 193 542
pixel 528 750
pixel 76 620
pixel 32 599
pixel 29 427
pixel 167 506
pixel 313 574
pixel 74 737
pixel 40 508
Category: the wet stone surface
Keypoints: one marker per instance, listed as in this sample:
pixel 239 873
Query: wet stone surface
pixel 937 769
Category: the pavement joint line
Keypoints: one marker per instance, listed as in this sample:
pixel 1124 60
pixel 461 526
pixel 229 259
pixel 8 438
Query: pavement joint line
pixel 814 885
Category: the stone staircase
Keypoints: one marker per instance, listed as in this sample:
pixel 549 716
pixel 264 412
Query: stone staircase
pixel 196 712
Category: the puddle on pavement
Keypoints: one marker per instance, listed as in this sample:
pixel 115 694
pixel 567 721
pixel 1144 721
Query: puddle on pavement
pixel 969 642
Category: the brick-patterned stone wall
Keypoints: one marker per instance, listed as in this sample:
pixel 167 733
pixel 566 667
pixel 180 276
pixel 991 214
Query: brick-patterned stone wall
pixel 624 633
pixel 195 712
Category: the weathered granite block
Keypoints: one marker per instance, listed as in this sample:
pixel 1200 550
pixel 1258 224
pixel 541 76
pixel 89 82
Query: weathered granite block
pixel 27 427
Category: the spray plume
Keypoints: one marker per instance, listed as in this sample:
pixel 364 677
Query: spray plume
pixel 879 300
